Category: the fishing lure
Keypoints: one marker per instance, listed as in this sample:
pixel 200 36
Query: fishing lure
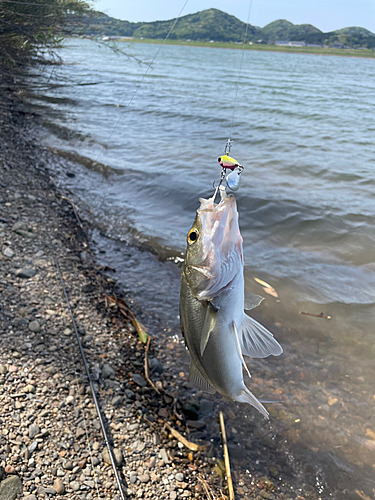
pixel 227 162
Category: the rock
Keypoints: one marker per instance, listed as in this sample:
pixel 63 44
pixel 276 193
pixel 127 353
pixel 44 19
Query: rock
pixel 59 486
pixel 75 485
pixel 195 424
pixel 35 327
pixel 133 477
pixel 117 401
pixel 34 429
pixel 25 273
pixel 33 446
pixel 179 477
pixel 68 465
pixel 274 471
pixel 144 478
pixel 69 400
pixel 163 413
pixel 11 488
pixel 129 394
pixel 8 252
pixel 117 455
pixel 164 456
pixel 50 491
pixel 19 225
pixel 139 380
pixel 155 365
pixel 9 469
pixel 3 369
pixel 107 371
pixel 29 389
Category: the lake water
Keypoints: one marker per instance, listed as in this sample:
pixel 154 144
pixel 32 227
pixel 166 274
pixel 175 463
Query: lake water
pixel 304 130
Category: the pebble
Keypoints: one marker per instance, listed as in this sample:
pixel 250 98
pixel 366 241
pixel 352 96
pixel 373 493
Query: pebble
pixel 75 485
pixel 179 477
pixel 34 429
pixel 68 465
pixel 10 488
pixel 139 380
pixel 8 252
pixel 117 455
pixel 30 497
pixel 107 371
pixel 144 478
pixel 29 388
pixel 34 326
pixel 117 401
pixel 9 469
pixel 69 400
pixel 3 369
pixel 133 477
pixel 25 273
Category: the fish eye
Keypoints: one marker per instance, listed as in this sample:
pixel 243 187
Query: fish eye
pixel 192 235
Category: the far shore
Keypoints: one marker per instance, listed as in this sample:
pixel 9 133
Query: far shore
pixel 367 53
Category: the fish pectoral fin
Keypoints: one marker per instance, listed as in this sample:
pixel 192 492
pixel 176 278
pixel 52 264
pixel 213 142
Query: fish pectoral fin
pixel 197 379
pixel 256 341
pixel 247 397
pixel 209 325
pixel 252 300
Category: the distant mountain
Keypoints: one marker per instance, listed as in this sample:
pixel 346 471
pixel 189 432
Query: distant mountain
pixel 285 30
pixel 214 24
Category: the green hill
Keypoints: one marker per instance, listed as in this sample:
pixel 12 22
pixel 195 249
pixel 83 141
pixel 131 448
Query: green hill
pixel 285 30
pixel 213 24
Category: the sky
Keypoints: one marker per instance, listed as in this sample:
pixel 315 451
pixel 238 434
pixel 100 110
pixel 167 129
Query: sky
pixel 327 15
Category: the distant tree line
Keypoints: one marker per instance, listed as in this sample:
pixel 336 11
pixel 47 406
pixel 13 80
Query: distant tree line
pixel 29 29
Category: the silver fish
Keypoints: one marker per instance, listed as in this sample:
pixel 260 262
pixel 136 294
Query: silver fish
pixel 217 331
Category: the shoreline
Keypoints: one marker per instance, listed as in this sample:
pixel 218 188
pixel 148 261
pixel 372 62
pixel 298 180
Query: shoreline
pixel 48 417
pixel 362 54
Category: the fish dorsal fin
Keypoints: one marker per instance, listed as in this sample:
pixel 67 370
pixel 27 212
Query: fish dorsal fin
pixel 256 341
pixel 198 381
pixel 252 300
pixel 209 325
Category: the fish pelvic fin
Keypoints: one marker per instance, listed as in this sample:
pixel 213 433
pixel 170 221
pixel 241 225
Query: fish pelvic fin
pixel 252 300
pixel 247 397
pixel 209 325
pixel 256 341
pixel 198 381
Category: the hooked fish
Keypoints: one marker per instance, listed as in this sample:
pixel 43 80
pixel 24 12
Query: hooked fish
pixel 228 162
pixel 217 331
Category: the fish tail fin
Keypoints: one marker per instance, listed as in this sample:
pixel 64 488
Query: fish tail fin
pixel 247 397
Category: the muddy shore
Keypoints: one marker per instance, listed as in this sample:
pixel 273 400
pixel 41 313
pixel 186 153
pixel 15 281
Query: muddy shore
pixel 51 442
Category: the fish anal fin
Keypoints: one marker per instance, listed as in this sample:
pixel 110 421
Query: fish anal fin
pixel 209 325
pixel 247 397
pixel 256 341
pixel 240 349
pixel 252 300
pixel 198 381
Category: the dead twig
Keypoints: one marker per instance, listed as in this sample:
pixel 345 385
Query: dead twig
pixel 226 456
pixel 191 446
pixel 321 315
pixel 205 486
pixel 146 366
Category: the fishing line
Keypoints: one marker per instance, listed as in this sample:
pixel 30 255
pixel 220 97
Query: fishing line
pixel 143 77
pixel 239 74
pixel 96 402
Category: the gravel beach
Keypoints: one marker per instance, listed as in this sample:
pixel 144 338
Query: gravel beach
pixel 51 443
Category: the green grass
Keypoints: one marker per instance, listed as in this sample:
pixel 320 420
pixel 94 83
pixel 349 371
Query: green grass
pixel 273 48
